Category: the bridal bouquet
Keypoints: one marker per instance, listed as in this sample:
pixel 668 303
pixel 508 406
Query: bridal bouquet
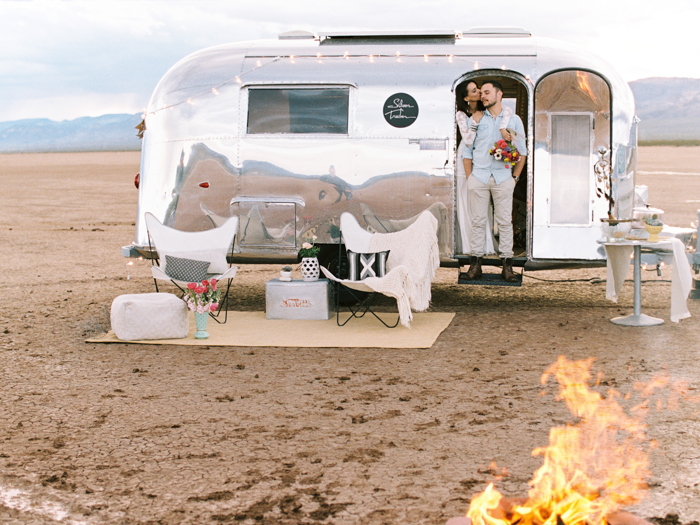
pixel 506 152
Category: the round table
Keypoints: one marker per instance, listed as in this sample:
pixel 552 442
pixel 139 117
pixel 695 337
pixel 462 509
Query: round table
pixel 637 318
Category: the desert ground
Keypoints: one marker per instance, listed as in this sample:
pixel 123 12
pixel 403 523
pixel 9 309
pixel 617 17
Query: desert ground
pixel 138 434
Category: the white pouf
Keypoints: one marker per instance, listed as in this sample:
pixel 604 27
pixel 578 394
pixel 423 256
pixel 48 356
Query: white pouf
pixel 137 317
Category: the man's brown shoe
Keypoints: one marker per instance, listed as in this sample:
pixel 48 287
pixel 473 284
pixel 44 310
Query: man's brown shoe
pixel 507 273
pixel 474 271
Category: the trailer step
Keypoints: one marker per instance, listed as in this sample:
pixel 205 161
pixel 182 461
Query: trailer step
pixel 518 262
pixel 489 279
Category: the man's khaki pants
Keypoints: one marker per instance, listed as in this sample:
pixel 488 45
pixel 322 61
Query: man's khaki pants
pixel 479 195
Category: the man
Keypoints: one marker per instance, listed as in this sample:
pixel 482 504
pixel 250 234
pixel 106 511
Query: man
pixel 488 177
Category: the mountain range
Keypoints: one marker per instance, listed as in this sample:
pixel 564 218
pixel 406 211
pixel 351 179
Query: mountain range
pixel 668 109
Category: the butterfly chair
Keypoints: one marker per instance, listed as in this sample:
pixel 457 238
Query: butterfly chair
pixel 412 257
pixel 185 257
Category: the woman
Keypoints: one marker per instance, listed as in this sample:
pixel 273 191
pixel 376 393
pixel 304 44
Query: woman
pixel 470 110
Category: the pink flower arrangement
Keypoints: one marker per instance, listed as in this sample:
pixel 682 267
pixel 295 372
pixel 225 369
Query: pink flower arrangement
pixel 309 249
pixel 203 297
pixel 505 151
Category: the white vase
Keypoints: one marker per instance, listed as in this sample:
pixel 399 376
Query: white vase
pixel 310 269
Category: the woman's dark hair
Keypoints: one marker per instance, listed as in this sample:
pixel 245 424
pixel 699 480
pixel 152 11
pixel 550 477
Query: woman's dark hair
pixel 462 104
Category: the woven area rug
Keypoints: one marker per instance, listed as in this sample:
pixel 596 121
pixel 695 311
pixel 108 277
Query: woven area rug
pixel 254 329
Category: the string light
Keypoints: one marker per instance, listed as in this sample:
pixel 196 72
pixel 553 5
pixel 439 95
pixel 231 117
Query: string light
pixel 258 64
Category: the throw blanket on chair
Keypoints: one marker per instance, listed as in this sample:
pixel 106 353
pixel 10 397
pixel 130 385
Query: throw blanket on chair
pixel 414 257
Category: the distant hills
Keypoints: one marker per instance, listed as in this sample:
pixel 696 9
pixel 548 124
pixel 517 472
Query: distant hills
pixel 105 133
pixel 669 110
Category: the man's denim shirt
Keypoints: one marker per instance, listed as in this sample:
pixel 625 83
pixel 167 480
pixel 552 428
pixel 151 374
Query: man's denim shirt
pixel 483 163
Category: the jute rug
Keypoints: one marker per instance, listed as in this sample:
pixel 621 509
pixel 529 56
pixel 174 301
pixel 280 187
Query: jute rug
pixel 254 329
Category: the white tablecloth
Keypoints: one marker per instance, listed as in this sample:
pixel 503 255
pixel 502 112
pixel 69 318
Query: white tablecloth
pixel 619 258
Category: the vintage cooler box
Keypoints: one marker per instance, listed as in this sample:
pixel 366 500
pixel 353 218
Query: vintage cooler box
pixel 298 299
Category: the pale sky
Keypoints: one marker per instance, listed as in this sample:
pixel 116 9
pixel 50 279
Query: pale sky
pixel 63 59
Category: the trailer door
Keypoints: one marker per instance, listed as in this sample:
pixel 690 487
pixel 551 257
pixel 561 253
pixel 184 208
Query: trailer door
pixel 572 135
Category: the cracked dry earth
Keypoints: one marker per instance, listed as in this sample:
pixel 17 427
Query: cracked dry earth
pixel 136 434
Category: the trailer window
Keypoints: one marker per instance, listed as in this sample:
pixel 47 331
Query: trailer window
pixel 298 110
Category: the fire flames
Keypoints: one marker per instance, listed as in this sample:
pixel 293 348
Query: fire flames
pixel 591 468
pixel 584 84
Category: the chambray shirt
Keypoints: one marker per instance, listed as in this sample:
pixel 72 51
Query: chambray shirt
pixel 483 163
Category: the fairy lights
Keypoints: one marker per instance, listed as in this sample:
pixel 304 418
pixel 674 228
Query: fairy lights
pixel 320 58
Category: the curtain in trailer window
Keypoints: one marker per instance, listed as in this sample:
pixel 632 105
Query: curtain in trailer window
pixel 323 110
pixel 571 168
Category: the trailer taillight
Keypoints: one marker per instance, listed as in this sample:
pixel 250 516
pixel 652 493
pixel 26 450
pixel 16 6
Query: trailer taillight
pixel 136 180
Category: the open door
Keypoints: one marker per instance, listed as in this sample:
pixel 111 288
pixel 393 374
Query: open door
pixel 572 142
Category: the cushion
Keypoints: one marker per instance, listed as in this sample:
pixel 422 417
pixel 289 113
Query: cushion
pixel 137 317
pixel 363 265
pixel 215 258
pixel 187 270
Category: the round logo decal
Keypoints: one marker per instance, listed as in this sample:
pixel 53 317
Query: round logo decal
pixel 400 110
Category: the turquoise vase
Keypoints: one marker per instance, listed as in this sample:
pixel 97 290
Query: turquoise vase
pixel 200 321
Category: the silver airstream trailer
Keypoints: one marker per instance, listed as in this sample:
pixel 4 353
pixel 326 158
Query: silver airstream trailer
pixel 288 134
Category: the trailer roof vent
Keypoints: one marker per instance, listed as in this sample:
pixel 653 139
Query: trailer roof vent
pixel 296 35
pixel 389 37
pixel 497 32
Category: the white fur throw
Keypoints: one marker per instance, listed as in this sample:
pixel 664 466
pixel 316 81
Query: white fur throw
pixel 414 257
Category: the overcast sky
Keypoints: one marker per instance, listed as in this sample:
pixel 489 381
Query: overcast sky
pixel 63 59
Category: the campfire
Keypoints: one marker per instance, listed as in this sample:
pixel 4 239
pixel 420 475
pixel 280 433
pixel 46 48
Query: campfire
pixel 592 468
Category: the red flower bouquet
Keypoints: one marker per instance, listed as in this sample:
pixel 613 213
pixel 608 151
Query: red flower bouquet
pixel 505 151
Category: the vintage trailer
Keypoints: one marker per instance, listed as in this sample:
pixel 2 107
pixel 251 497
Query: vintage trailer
pixel 287 134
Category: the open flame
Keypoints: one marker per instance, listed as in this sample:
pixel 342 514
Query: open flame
pixel 584 84
pixel 591 468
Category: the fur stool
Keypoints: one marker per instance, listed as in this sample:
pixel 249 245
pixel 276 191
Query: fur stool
pixel 137 317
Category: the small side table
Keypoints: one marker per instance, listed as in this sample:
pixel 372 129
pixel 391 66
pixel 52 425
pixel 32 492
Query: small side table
pixel 298 299
pixel 637 318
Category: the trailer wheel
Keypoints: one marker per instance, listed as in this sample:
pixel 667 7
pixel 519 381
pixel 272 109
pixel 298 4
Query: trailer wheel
pixel 338 265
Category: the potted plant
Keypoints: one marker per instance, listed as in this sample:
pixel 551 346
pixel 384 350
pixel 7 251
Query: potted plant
pixel 654 226
pixel 286 273
pixel 202 298
pixel 310 269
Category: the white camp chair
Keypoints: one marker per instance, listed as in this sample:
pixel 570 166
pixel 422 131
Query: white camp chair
pixel 210 245
pixel 413 260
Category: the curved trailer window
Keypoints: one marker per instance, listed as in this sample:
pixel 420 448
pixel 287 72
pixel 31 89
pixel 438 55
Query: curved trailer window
pixel 572 124
pixel 298 110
